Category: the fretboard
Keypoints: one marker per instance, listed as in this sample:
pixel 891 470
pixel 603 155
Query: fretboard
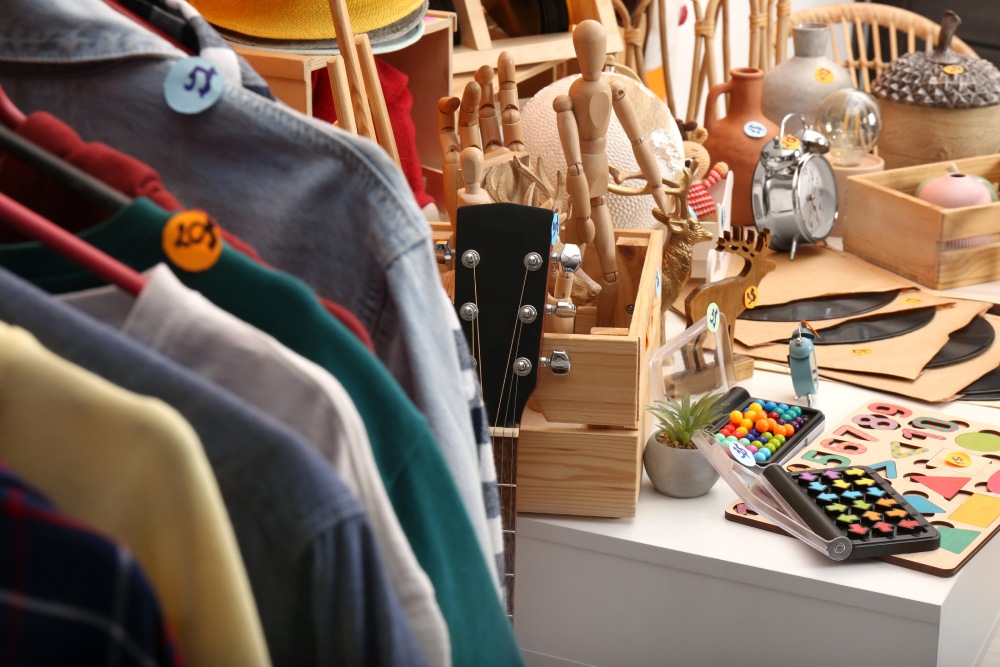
pixel 505 457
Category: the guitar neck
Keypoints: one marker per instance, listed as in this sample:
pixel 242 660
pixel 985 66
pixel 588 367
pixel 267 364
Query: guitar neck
pixel 505 457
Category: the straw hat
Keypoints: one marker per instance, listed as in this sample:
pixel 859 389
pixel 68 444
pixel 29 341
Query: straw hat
pixel 310 21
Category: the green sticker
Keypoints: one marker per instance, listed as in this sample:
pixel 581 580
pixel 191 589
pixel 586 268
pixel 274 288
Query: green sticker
pixel 712 316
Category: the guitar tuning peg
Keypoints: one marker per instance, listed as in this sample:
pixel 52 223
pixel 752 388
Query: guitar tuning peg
pixel 558 363
pixel 569 259
pixel 561 309
pixel 443 253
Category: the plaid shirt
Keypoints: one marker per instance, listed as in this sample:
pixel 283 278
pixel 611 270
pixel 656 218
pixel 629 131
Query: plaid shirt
pixel 69 596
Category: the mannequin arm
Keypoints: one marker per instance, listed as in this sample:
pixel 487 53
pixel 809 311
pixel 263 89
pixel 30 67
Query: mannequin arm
pixel 643 152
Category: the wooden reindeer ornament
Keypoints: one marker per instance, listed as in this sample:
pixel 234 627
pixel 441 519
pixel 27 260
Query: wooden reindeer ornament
pixel 736 294
pixel 685 232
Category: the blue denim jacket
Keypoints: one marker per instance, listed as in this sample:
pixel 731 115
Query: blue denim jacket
pixel 324 205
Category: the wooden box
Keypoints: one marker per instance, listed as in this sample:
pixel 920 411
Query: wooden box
pixel 938 247
pixel 580 451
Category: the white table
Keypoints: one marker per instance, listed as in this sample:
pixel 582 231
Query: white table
pixel 679 585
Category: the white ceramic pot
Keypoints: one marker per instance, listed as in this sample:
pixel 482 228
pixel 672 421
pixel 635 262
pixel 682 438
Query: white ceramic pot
pixel 676 472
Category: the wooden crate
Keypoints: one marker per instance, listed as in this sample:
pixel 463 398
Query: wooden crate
pixel 581 451
pixel 937 247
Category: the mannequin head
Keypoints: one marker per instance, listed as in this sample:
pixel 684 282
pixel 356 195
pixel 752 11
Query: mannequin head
pixel 591 43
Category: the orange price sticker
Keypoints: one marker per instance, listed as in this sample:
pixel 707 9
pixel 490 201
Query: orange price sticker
pixel 861 350
pixel 911 299
pixel 790 142
pixel 751 296
pixel 953 70
pixel 958 459
pixel 823 75
pixel 192 241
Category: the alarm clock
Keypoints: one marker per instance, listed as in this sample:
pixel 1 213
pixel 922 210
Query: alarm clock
pixel 794 192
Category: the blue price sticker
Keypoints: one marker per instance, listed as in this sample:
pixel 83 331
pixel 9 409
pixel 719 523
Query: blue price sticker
pixel 755 129
pixel 741 454
pixel 193 85
pixel 712 317
pixel 555 228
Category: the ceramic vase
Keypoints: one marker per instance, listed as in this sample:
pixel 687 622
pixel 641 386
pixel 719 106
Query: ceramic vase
pixel 676 472
pixel 738 138
pixel 803 82
pixel 956 190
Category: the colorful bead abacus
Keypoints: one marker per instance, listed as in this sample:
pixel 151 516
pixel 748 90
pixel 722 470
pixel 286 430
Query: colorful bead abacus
pixel 763 427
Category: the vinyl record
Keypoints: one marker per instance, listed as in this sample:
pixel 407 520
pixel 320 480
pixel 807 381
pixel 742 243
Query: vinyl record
pixel 970 341
pixel 876 328
pixel 828 308
pixel 980 397
pixel 988 384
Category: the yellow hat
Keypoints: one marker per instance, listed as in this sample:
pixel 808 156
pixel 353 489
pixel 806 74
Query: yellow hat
pixel 301 20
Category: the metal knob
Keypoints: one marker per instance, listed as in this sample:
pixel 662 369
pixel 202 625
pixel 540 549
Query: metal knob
pixel 443 253
pixel 558 363
pixel 561 309
pixel 569 259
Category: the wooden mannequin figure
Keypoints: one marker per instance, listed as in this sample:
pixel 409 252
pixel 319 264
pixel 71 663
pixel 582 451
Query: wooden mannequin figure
pixel 583 117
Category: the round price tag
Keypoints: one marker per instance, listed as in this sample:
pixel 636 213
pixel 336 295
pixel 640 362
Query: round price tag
pixel 192 85
pixel 741 454
pixel 192 241
pixel 823 75
pixel 712 317
pixel 790 142
pixel 911 299
pixel 751 297
pixel 958 459
pixel 658 285
pixel 953 70
pixel 555 228
pixel 755 130
pixel 859 351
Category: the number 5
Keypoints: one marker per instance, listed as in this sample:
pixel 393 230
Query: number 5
pixel 826 459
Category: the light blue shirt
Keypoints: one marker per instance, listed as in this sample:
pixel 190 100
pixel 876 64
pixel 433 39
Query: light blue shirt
pixel 326 206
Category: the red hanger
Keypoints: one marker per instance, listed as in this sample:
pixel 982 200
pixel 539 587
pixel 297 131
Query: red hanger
pixel 10 115
pixel 72 247
pixel 48 233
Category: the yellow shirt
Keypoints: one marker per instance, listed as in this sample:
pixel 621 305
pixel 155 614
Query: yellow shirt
pixel 133 468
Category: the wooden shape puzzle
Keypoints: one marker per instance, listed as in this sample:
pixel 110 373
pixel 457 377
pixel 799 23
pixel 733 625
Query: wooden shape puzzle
pixel 948 469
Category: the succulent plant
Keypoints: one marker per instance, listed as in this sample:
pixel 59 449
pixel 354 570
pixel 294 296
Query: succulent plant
pixel 679 419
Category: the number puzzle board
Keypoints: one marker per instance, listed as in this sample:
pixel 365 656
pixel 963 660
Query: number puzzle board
pixel 948 469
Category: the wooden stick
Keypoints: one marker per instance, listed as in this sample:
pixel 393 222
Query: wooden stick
pixel 349 51
pixel 376 100
pixel 341 94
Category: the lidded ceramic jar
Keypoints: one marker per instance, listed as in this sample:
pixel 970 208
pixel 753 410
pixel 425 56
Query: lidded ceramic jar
pixel 954 190
pixel 803 82
pixel 938 105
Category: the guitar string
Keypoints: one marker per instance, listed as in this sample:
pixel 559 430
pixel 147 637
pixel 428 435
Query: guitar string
pixel 507 402
pixel 477 345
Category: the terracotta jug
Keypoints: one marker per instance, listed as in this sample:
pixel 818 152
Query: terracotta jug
pixel 738 138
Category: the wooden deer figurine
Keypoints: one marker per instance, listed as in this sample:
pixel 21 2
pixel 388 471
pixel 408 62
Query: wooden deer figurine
pixel 685 232
pixel 734 295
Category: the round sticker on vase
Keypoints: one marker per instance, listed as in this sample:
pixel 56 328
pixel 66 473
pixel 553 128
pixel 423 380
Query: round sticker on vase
pixel 192 241
pixel 754 129
pixel 823 75
pixel 192 85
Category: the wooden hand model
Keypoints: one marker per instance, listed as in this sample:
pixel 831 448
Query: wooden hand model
pixel 476 137
pixel 583 117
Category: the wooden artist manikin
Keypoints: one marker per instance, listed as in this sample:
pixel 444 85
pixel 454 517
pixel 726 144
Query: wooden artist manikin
pixel 583 117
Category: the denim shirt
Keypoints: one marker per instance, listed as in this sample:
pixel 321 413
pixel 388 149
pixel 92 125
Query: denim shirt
pixel 329 207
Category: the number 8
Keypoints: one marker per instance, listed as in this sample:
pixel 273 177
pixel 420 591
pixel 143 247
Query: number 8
pixel 877 422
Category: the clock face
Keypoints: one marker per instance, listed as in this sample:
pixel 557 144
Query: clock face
pixel 816 197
